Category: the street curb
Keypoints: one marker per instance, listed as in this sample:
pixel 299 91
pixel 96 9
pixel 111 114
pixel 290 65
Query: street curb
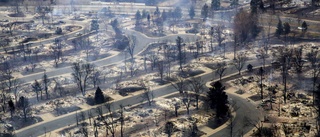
pixel 207 72
pixel 227 123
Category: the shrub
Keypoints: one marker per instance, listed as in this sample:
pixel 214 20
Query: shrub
pixel 58 31
pixel 99 97
pixel 250 68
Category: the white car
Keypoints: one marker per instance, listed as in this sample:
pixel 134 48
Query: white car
pixel 78 34
pixel 9 127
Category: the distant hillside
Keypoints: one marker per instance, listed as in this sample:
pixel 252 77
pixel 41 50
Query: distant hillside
pixel 81 2
pixel 60 2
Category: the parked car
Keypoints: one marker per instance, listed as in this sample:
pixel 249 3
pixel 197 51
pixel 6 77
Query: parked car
pixel 4 20
pixel 62 22
pixel 9 127
pixel 78 34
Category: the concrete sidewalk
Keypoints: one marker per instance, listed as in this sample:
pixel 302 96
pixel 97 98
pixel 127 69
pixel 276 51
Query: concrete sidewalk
pixel 48 117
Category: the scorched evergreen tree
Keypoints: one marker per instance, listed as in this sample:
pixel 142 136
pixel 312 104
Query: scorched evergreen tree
pixel 99 97
pixel 218 99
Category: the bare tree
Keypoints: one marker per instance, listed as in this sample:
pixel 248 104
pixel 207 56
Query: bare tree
pixel 11 107
pixel 156 117
pixel 220 35
pixel 191 129
pixel 95 129
pixel 181 54
pixel 133 68
pixel 56 51
pixel 245 24
pixel 166 112
pixel 121 119
pixel 255 123
pixel 179 84
pixel 169 128
pixel 161 69
pixel 284 56
pixel 99 111
pixel 4 42
pixel 6 71
pixel 77 118
pixel 231 124
pixel 167 58
pixel 16 85
pixel 263 56
pixel 95 78
pixel 199 46
pixel 261 74
pixel 270 21
pixel 36 51
pixel 16 4
pixel 108 120
pixel 83 128
pixel 25 106
pixel 314 60
pixel 145 63
pixel 153 58
pixel 82 73
pixel 37 88
pixel 4 95
pixel 72 6
pixel 298 59
pixel 58 87
pixel 211 32
pixel 77 43
pixel 26 49
pixel 317 108
pixel 186 100
pixel 197 86
pixel 221 68
pixel 131 46
pixel 45 81
pixel 240 61
pixel 147 95
pixel 87 47
pixel 271 92
pixel 43 11
pixel 235 45
pixel 23 50
pixel 32 66
pixel 90 116
pixel 10 26
pixel 111 126
pixel 176 105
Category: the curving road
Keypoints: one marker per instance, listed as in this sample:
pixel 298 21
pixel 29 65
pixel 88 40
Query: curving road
pixel 245 109
pixel 141 43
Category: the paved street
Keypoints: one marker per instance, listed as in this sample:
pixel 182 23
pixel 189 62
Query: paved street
pixel 142 43
pixel 245 108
